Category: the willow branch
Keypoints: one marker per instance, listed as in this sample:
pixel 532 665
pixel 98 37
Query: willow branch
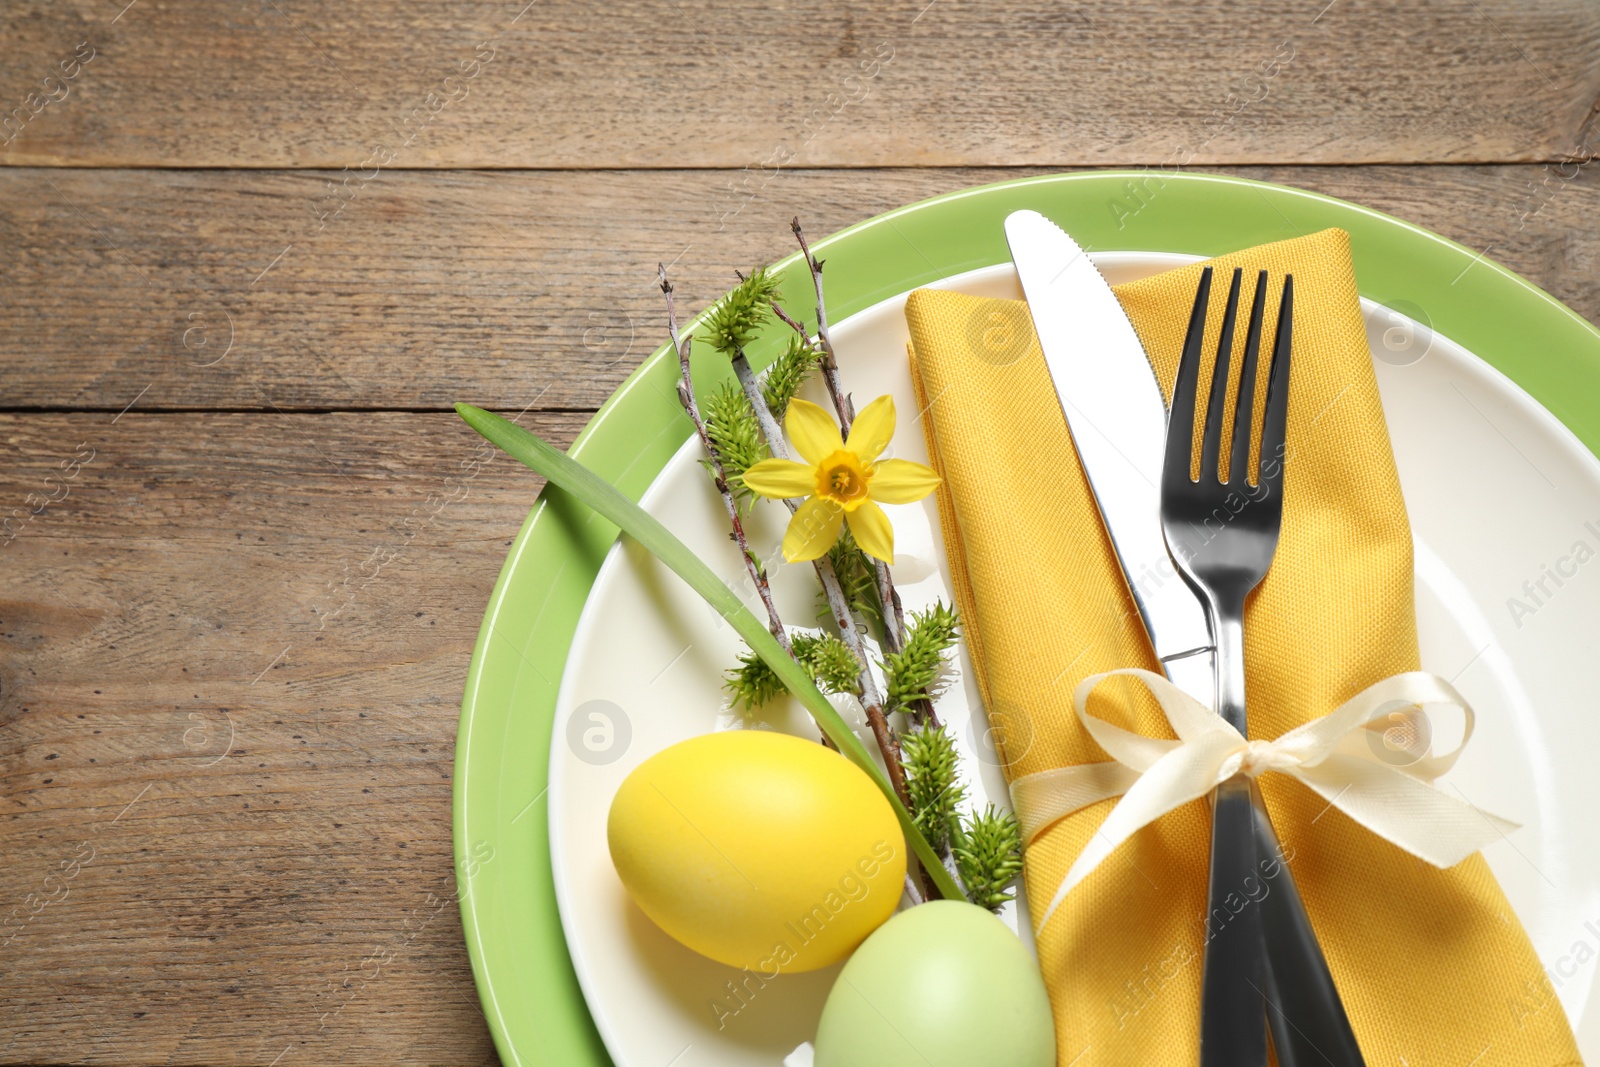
pixel 830 365
pixel 917 893
pixel 838 605
pixel 894 616
pixel 681 345
pixel 893 613
pixel 758 401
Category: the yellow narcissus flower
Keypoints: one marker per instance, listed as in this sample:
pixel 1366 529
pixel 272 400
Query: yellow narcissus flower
pixel 845 480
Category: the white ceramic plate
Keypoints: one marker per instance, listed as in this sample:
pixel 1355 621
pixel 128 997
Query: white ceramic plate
pixel 1499 494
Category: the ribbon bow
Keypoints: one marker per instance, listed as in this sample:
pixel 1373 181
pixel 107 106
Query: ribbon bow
pixel 1333 755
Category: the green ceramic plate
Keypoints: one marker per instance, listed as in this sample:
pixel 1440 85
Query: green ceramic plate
pixel 525 978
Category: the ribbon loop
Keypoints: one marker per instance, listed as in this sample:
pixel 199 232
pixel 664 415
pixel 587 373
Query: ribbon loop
pixel 1386 789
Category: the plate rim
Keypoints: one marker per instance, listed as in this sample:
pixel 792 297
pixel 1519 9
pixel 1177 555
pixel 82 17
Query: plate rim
pixel 639 427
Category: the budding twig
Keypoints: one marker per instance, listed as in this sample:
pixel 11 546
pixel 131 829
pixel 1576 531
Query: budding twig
pixel 838 604
pixel 681 345
pixel 830 365
pixel 894 620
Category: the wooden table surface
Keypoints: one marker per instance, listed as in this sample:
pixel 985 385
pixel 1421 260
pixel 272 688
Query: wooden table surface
pixel 251 252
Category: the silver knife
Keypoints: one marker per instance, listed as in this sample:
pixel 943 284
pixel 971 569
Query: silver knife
pixel 1118 420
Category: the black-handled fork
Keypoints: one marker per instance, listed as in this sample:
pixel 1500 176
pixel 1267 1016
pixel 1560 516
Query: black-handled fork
pixel 1222 532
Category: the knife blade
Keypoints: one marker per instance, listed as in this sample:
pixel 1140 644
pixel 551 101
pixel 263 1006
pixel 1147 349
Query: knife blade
pixel 1118 419
pixel 1117 416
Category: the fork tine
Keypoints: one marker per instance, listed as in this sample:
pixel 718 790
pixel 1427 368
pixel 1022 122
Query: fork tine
pixel 1211 439
pixel 1180 421
pixel 1244 409
pixel 1277 412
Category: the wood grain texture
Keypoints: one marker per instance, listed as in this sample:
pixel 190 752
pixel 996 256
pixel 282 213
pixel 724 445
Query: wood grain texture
pixel 231 659
pixel 512 287
pixel 730 83
pixel 251 252
pixel 232 649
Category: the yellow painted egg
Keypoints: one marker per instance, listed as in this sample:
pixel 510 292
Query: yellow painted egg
pixel 758 849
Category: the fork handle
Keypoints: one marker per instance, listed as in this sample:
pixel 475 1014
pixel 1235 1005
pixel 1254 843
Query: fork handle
pixel 1229 639
pixel 1233 1022
pixel 1307 1017
pixel 1233 1025
pixel 1308 1020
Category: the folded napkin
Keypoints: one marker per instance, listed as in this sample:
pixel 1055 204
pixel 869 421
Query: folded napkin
pixel 1434 968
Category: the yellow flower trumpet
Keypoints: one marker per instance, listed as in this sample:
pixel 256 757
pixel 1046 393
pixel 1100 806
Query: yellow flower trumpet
pixel 845 481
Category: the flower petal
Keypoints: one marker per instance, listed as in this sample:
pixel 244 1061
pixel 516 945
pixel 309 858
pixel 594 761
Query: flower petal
pixel 872 531
pixel 900 481
pixel 813 431
pixel 812 530
pixel 872 430
pixel 780 478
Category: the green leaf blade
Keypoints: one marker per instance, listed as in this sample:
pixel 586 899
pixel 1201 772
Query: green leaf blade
pixel 567 473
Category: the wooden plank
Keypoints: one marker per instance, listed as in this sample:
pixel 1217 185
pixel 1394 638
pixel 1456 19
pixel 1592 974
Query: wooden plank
pixel 231 659
pixel 196 289
pixel 232 645
pixel 730 83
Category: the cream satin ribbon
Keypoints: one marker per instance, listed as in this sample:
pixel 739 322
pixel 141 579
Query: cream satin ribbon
pixel 1334 755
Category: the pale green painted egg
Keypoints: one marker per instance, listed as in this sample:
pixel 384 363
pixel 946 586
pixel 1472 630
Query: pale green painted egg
pixel 943 984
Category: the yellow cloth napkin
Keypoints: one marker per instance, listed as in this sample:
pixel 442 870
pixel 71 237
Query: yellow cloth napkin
pixel 1434 968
